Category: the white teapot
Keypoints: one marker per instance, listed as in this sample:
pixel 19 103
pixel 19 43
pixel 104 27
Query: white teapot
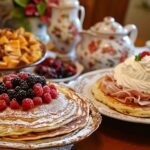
pixel 66 23
pixel 106 44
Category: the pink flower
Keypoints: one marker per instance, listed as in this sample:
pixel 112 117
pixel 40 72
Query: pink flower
pixel 30 10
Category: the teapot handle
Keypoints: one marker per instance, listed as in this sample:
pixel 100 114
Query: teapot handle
pixel 82 10
pixel 132 31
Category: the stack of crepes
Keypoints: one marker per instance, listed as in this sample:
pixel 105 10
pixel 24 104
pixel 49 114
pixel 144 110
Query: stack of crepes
pixel 65 120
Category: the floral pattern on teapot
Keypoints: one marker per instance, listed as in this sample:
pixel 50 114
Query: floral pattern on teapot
pixel 60 31
pixel 109 55
pixel 65 27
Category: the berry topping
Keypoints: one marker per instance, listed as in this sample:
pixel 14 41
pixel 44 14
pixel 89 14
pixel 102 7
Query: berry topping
pixel 20 95
pixel 27 104
pixel 23 75
pixel 3 89
pixel 11 93
pixel 9 77
pixel 24 85
pixel 38 89
pixel 3 105
pixel 52 86
pixel 53 93
pixel 8 84
pixel 46 89
pixel 25 91
pixel 16 81
pixel 37 101
pixel 5 97
pixel 17 88
pixel 30 93
pixel 14 104
pixel 141 55
pixel 47 98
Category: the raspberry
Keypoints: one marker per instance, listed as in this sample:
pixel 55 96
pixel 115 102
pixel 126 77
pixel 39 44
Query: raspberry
pixel 52 86
pixel 38 89
pixel 9 77
pixel 53 93
pixel 23 75
pixel 5 97
pixel 27 104
pixel 8 84
pixel 2 105
pixel 145 53
pixel 37 101
pixel 14 104
pixel 46 89
pixel 47 98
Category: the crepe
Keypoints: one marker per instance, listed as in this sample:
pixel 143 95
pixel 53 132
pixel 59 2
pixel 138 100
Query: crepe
pixel 48 124
pixel 128 109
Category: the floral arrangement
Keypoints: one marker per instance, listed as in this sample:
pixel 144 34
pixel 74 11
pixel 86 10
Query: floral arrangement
pixel 33 8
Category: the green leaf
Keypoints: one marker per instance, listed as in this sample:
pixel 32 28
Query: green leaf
pixel 23 23
pixel 18 13
pixel 138 57
pixel 22 3
pixel 41 7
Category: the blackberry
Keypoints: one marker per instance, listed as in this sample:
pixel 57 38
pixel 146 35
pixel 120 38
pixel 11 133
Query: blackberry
pixel 30 93
pixel 20 95
pixel 3 89
pixel 11 93
pixel 24 85
pixel 2 84
pixel 18 88
pixel 16 81
pixel 31 80
pixel 41 80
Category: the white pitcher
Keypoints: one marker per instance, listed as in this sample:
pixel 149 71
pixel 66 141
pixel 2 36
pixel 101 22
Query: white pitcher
pixel 65 26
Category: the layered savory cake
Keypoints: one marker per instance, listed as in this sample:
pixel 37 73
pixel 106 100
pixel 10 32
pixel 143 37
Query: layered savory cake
pixel 36 114
pixel 127 88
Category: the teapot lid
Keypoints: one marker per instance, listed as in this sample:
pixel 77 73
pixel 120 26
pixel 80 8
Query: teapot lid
pixel 109 26
pixel 64 3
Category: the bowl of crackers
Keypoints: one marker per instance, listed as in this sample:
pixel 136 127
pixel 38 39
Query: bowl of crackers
pixel 19 49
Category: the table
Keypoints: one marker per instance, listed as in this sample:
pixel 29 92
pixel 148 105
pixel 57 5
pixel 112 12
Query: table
pixel 117 135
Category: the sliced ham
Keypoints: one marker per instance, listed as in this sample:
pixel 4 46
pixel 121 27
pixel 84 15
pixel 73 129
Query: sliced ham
pixel 122 94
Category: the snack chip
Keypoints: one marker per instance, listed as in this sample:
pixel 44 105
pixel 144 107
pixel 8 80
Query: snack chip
pixel 18 48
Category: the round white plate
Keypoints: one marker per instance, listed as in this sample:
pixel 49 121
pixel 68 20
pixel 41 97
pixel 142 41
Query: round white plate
pixel 83 85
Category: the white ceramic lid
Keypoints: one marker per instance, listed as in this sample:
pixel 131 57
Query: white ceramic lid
pixel 68 2
pixel 109 26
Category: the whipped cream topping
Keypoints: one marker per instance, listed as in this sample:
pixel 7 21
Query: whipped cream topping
pixel 134 74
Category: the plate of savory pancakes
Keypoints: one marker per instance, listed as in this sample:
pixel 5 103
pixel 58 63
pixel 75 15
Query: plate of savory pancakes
pixel 38 114
pixel 122 92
